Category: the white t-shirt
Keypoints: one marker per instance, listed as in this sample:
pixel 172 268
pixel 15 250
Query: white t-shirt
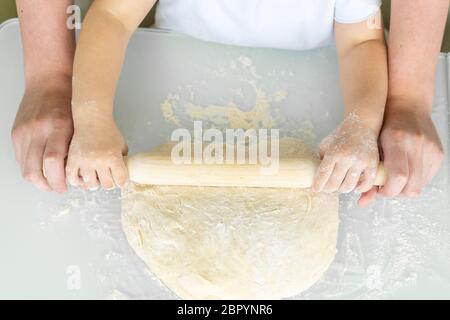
pixel 286 24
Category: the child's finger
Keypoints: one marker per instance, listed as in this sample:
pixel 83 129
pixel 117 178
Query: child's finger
pixel 105 178
pixel 73 175
pixel 119 173
pixel 89 177
pixel 336 178
pixel 323 173
pixel 367 180
pixel 351 180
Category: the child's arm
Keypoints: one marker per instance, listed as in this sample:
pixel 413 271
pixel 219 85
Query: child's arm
pixel 97 148
pixel 350 153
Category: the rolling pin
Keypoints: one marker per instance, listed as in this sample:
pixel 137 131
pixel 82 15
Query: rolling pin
pixel 154 169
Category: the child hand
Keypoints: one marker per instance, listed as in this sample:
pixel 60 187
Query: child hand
pixel 96 154
pixel 349 158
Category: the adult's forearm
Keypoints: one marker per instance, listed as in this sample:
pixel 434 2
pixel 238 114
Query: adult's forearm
pixel 48 44
pixel 364 84
pixel 416 33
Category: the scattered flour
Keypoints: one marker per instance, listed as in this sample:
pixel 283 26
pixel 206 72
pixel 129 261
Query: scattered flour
pixel 230 115
pixel 264 106
pixel 167 108
pixel 382 251
pixel 263 114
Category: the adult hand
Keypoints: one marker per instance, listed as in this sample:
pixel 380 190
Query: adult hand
pixel 411 150
pixel 41 135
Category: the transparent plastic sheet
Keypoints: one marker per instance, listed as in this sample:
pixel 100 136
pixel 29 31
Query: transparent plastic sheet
pixel 389 248
pixel 383 251
pixel 394 249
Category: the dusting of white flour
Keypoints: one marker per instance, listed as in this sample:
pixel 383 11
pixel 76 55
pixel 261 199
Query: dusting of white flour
pixel 382 251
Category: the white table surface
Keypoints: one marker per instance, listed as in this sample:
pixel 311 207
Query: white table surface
pixel 394 249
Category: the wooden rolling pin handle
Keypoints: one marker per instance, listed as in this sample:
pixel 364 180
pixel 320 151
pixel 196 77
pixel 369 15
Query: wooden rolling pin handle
pixel 380 180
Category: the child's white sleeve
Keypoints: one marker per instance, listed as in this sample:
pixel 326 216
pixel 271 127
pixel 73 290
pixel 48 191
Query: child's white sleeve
pixel 353 11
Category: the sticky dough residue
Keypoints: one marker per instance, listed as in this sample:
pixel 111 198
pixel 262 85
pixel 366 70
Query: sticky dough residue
pixel 260 116
pixel 265 112
pixel 167 109
pixel 231 115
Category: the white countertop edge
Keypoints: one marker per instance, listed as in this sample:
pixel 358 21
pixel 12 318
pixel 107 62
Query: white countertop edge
pixel 15 21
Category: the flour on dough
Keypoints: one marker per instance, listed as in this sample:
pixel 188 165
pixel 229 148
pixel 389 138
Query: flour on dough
pixel 232 243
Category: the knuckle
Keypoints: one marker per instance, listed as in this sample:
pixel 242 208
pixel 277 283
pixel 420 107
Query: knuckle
pixel 412 192
pixel 396 134
pixel 342 158
pixel 53 156
pixel 341 155
pixel 74 161
pixel 329 155
pixel 417 137
pixel 16 134
pixel 440 155
pixel 102 161
pixel 121 178
pixel 323 146
pixel 61 121
pixel 50 120
pixel 369 177
pixel 29 175
pixel 399 177
pixel 38 123
pixel 392 135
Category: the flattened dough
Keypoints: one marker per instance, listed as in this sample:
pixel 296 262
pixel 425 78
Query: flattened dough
pixel 233 243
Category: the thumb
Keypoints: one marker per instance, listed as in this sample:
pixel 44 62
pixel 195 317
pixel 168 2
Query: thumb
pixel 368 197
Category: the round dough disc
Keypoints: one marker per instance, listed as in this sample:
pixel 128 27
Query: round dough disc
pixel 232 243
